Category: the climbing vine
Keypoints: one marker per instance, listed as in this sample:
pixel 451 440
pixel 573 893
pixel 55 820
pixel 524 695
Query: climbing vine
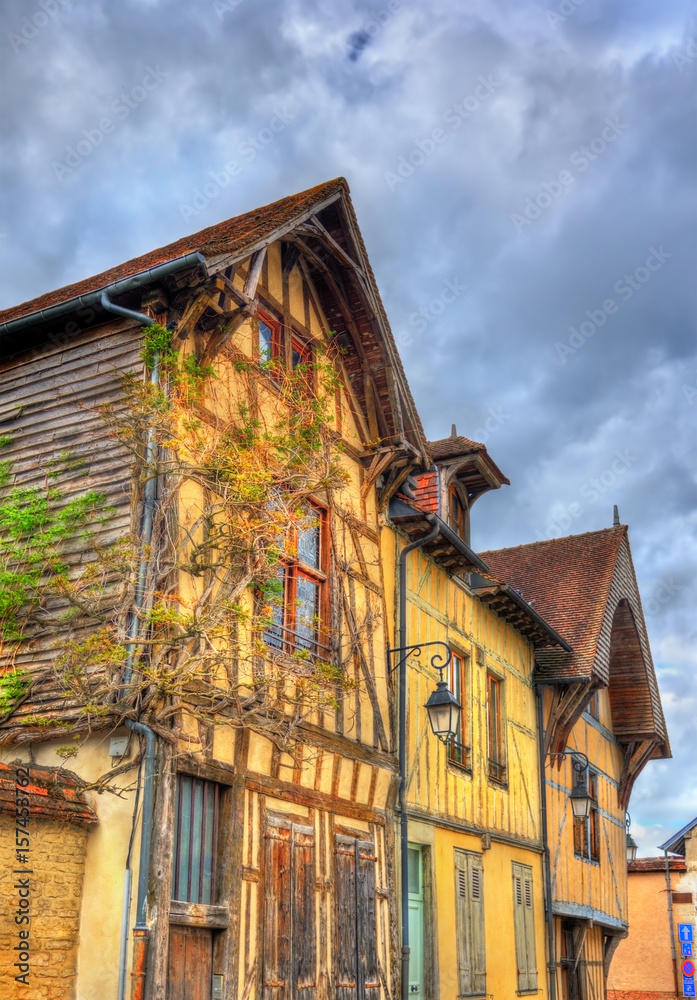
pixel 151 627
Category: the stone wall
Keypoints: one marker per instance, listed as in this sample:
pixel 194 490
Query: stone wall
pixel 57 861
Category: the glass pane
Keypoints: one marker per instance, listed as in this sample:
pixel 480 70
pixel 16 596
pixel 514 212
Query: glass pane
pixel 307 600
pixel 207 874
pixel 308 539
pixel 299 354
pixel 183 840
pixel 197 807
pixel 265 341
pixel 413 858
pixel 273 636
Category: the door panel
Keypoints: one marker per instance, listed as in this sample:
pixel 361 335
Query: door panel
pixel 190 963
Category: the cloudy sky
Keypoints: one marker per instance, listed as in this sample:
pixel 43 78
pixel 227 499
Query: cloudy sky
pixel 534 161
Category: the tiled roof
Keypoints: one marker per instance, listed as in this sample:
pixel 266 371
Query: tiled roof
pixel 569 581
pixel 53 793
pixel 656 865
pixel 229 236
pixel 452 447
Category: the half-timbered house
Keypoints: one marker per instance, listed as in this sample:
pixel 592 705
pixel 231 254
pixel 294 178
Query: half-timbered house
pixel 602 722
pixel 270 866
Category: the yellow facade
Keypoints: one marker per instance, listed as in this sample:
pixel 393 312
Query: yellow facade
pixel 451 808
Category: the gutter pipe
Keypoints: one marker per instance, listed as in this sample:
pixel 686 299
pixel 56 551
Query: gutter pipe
pixel 552 966
pixel 91 299
pixel 669 894
pixel 140 931
pixel 404 819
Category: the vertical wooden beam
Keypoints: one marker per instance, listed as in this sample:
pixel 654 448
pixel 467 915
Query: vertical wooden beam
pixel 231 842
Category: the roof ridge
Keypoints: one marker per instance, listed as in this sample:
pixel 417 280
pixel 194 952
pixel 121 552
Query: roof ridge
pixel 561 538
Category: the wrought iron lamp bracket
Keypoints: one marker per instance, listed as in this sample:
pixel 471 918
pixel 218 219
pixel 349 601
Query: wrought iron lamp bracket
pixel 446 657
pixel 579 761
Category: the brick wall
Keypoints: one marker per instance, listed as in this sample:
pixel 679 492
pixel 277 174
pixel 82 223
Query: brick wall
pixel 58 862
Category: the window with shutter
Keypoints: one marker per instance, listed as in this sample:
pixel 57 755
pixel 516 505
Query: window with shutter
pixel 469 907
pixel 289 959
pixel 524 926
pixel 355 932
pixel 195 839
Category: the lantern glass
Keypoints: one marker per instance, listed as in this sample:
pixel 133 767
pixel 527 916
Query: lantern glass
pixel 631 848
pixel 443 709
pixel 580 801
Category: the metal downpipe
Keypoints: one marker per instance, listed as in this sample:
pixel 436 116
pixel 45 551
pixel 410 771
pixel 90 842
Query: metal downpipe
pixel 552 966
pixel 404 819
pixel 140 931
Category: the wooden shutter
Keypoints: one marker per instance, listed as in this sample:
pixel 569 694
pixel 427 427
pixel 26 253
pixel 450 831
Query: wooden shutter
pixel 368 981
pixel 476 873
pixel 304 939
pixel 277 907
pixel 524 922
pixel 355 934
pixel 469 908
pixel 290 952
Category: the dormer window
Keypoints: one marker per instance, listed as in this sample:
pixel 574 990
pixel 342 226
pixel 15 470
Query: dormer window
pixel 457 517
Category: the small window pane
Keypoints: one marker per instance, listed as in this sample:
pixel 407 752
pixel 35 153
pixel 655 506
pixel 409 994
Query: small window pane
pixel 308 540
pixel 195 840
pixel 307 597
pixel 265 341
pixel 274 634
pixel 414 871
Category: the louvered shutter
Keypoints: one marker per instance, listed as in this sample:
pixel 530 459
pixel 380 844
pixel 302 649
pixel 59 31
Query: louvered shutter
pixel 277 911
pixel 524 921
pixel 531 948
pixel 303 939
pixel 476 869
pixel 462 920
pixel 519 928
pixel 345 924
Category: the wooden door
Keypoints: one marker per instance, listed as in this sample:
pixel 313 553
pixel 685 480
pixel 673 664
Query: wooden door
pixel 416 923
pixel 190 963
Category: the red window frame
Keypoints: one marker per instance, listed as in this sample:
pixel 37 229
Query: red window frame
pixel 288 632
pixel 276 341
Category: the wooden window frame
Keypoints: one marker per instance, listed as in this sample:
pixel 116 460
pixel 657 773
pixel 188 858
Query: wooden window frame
pixel 459 751
pixel 293 568
pixel 594 706
pixel 276 329
pixel 458 521
pixel 587 832
pixel 495 731
pixel 197 851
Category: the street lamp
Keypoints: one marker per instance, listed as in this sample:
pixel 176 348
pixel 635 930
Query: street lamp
pixel 632 846
pixel 443 710
pixel 579 795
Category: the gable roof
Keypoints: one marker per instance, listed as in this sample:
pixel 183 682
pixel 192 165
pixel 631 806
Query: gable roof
pixel 228 237
pixel 585 587
pixel 321 224
pixel 569 581
pixel 676 844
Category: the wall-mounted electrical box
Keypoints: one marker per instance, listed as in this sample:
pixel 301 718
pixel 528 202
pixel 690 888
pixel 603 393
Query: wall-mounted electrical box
pixel 118 745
